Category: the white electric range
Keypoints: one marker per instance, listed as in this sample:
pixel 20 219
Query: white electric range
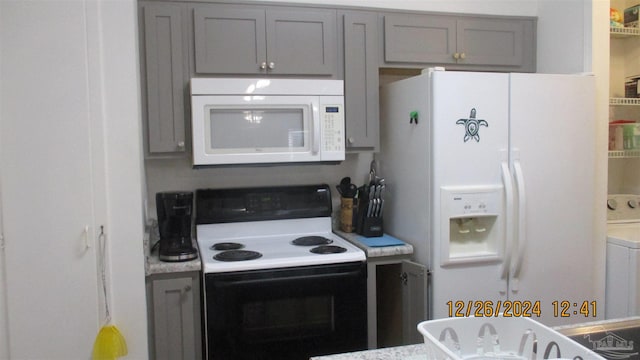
pixel 265 228
pixel 272 244
pixel 264 295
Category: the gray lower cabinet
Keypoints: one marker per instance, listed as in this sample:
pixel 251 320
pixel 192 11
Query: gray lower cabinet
pixel 459 42
pixel 174 316
pixel 240 39
pixel 164 70
pixel 360 35
pixel 396 301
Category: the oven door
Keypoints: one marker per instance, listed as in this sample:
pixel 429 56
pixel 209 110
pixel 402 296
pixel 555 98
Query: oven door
pixel 290 313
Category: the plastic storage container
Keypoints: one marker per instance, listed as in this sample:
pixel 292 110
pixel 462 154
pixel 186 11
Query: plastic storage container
pixel 624 135
pixel 512 338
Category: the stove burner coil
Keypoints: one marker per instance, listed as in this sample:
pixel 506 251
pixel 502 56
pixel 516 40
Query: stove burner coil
pixel 328 249
pixel 311 241
pixel 226 246
pixel 237 255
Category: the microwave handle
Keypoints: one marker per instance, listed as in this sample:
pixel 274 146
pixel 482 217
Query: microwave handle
pixel 316 132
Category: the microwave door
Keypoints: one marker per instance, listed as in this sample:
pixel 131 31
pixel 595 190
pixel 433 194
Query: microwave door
pixel 256 129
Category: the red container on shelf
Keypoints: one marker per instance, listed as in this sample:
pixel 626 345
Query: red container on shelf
pixel 619 138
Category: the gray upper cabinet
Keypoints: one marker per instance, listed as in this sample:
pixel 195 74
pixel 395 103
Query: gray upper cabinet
pixel 164 69
pixel 361 80
pixel 237 39
pixel 490 42
pixel 419 39
pixel 460 42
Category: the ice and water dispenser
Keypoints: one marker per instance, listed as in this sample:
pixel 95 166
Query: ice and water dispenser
pixel 472 225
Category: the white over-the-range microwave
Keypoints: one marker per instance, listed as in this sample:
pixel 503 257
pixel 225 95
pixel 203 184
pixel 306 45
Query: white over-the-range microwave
pixel 267 121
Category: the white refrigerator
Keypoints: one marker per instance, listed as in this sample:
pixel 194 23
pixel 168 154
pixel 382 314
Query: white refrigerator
pixel 490 176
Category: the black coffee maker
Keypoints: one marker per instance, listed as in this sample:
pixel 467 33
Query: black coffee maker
pixel 174 222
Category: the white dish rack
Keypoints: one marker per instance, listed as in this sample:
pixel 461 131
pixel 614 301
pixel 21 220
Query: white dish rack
pixel 498 338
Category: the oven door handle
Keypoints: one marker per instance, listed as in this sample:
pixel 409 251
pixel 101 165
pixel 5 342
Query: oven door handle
pixel 332 276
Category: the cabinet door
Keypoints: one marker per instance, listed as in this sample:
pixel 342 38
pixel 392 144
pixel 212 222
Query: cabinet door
pixel 165 76
pixel 301 42
pixel 483 41
pixel 419 39
pixel 229 39
pixel 175 317
pixel 49 286
pixel 414 300
pixel 361 80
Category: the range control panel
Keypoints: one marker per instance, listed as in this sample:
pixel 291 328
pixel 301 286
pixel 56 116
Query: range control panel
pixel 623 207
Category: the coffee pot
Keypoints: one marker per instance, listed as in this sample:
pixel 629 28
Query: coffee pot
pixel 174 222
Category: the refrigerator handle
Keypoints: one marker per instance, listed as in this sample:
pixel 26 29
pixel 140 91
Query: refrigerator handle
pixel 521 233
pixel 508 238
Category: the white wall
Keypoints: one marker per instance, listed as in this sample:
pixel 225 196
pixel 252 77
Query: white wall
pixel 493 7
pixel 99 81
pixel 116 33
pixel 4 335
pixel 562 26
pixel 599 65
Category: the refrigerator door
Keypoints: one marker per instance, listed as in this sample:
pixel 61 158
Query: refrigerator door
pixel 553 162
pixel 469 119
pixel 405 161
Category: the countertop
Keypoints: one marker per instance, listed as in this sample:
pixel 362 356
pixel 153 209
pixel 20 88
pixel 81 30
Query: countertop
pixel 153 264
pixel 407 352
pixel 376 251
pixel 419 351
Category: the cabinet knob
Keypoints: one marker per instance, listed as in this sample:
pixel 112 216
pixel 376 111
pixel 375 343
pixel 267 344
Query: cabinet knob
pixel 187 288
pixel 272 65
pixel 181 145
pixel 456 56
pixel 351 140
pixel 463 56
pixel 263 66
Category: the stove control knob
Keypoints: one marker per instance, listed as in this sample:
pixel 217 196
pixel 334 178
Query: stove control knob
pixel 632 203
pixel 612 204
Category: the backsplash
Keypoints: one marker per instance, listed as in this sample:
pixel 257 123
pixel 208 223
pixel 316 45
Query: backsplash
pixel 178 174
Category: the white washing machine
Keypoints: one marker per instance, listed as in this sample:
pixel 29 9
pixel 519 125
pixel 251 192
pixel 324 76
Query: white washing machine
pixel 623 256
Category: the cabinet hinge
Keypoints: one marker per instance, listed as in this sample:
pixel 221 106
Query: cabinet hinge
pixel 404 278
pixel 1 242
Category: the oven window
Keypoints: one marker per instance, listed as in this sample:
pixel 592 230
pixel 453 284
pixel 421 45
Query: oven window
pixel 302 317
pixel 252 128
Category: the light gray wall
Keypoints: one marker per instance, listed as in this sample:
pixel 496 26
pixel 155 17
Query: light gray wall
pixel 177 174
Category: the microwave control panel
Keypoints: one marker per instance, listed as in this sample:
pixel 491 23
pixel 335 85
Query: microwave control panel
pixel 333 135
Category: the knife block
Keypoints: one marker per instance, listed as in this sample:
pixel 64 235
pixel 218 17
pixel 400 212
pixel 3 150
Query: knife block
pixel 368 226
pixel 371 227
